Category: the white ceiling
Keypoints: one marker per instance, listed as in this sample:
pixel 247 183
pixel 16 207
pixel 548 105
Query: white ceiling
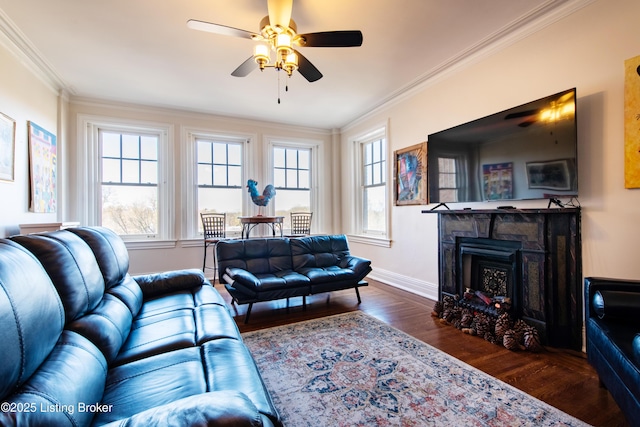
pixel 141 51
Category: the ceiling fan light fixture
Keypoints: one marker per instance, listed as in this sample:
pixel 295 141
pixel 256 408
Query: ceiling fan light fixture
pixel 262 55
pixel 290 63
pixel 283 45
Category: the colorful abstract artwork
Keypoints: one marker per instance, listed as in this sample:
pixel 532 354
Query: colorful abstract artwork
pixel 43 161
pixel 498 181
pixel 7 147
pixel 410 175
pixel 632 123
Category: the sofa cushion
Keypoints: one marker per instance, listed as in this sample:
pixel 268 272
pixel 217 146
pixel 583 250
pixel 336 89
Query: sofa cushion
pixel 328 274
pixel 129 292
pixel 318 251
pixel 157 334
pixel 258 256
pixel 220 408
pixel 153 381
pixel 213 322
pixel 31 315
pixel 109 250
pixel 72 267
pixel 261 282
pixel 63 387
pixel 107 326
pixel 244 377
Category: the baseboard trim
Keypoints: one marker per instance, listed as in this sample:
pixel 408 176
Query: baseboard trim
pixel 406 283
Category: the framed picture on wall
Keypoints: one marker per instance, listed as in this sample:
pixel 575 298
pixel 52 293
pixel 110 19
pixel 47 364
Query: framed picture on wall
pixel 553 174
pixel 410 175
pixel 7 148
pixel 43 169
pixel 497 179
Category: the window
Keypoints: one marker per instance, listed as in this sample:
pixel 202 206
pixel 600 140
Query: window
pixel 292 180
pixel 447 179
pixel 125 179
pixel 219 171
pixel 129 182
pixel 213 179
pixel 370 202
pixel 374 217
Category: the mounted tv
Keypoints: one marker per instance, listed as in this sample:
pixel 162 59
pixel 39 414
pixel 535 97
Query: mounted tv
pixel 526 152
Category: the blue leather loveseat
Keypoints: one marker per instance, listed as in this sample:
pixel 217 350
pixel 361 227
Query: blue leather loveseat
pixel 255 270
pixel 613 339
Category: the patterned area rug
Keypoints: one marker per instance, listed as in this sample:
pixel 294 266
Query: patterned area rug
pixel 353 370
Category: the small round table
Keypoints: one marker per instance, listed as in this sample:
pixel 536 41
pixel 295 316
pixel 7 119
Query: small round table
pixel 250 222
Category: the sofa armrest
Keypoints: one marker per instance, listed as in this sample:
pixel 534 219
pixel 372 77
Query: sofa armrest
pixel 171 281
pixel 360 266
pixel 218 408
pixel 613 298
pixel 243 277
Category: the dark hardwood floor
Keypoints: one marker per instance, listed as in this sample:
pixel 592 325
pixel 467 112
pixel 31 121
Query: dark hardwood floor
pixel 562 378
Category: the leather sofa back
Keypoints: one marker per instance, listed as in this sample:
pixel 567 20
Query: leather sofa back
pixel 31 316
pixel 81 262
pixel 72 268
pixel 109 250
pixel 318 251
pixel 260 256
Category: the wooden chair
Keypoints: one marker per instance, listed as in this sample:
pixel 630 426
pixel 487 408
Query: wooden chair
pixel 214 230
pixel 300 224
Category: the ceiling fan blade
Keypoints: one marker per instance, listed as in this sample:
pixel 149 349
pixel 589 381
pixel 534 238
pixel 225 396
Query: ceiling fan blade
pixel 245 68
pixel 307 69
pixel 331 39
pixel 521 114
pixel 221 29
pixel 280 12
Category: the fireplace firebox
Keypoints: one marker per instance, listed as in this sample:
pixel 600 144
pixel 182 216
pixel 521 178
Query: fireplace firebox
pixel 489 271
pixel 531 257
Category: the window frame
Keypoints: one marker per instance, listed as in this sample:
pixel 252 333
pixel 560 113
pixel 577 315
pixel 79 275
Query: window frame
pixel 359 233
pixel 190 136
pixel 90 183
pixel 315 160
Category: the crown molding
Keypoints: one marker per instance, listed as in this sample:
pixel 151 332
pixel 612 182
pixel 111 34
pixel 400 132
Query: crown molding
pixel 173 113
pixel 546 14
pixel 19 45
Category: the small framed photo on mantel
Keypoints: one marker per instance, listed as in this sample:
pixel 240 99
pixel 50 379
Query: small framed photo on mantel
pixel 7 148
pixel 410 175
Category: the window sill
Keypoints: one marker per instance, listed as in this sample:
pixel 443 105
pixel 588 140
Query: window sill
pixel 370 240
pixel 149 244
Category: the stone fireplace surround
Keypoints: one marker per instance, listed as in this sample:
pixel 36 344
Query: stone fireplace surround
pixel 535 252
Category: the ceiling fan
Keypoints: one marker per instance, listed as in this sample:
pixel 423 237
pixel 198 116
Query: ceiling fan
pixel 552 110
pixel 278 33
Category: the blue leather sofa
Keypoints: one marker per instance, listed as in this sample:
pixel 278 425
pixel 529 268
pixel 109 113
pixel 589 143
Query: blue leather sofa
pixel 84 343
pixel 613 339
pixel 255 270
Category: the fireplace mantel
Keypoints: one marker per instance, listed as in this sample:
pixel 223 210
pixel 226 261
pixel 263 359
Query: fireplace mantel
pixel 550 272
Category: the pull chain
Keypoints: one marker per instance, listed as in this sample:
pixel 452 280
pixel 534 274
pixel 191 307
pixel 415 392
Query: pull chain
pixel 278 86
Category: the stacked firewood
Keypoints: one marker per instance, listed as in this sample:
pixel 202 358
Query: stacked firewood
pixel 503 330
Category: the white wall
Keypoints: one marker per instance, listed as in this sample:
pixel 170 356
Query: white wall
pixel 24 96
pixel 585 50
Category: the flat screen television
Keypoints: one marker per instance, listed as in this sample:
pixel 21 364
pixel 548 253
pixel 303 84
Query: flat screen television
pixel 526 152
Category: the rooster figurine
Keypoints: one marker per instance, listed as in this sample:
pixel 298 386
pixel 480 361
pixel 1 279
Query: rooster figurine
pixel 260 199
